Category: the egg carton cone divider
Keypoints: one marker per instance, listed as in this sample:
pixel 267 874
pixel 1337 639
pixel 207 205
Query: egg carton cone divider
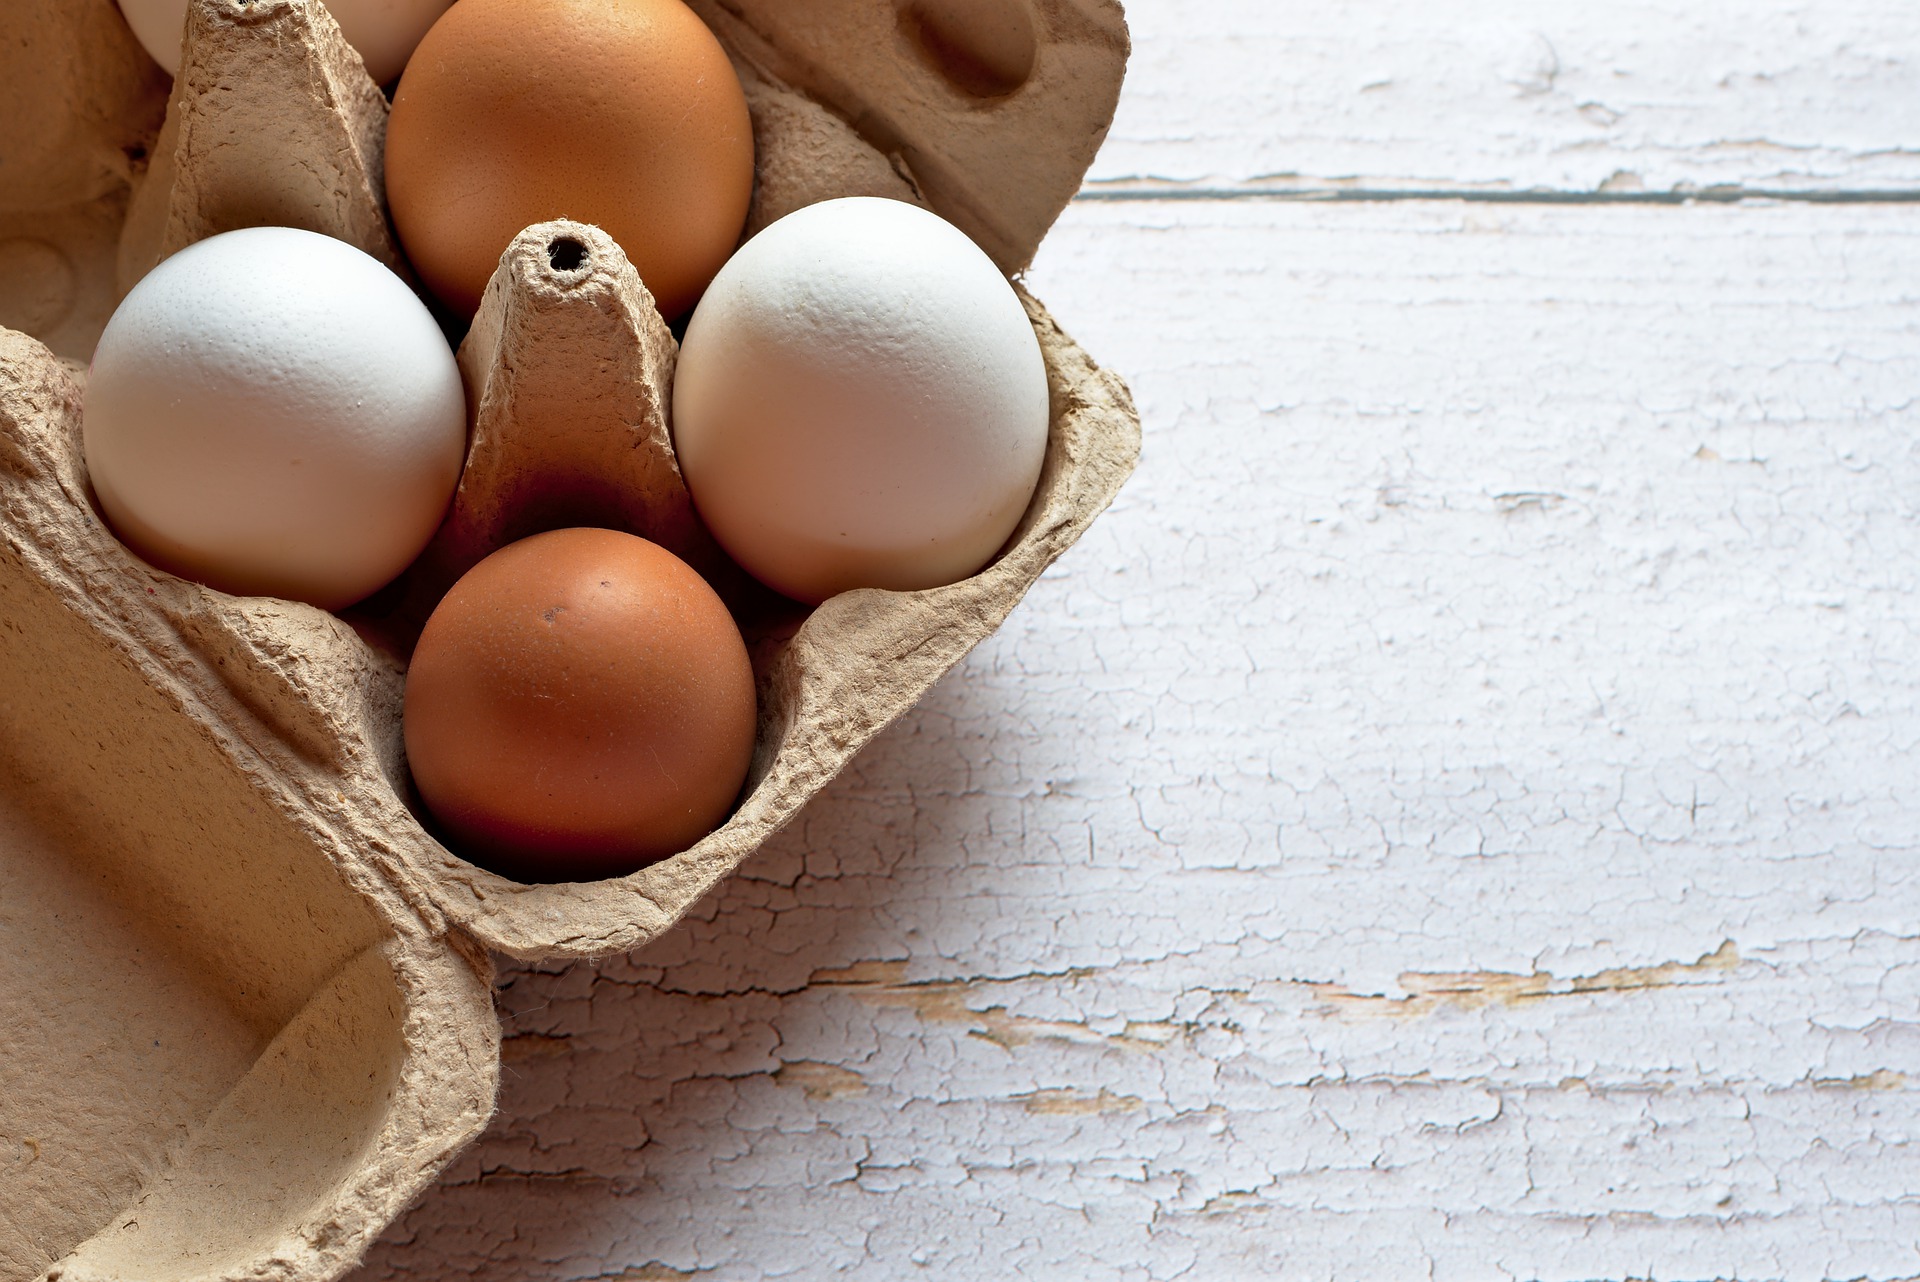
pixel 263 81
pixel 251 987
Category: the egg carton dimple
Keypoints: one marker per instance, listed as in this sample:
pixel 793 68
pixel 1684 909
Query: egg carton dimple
pixel 250 987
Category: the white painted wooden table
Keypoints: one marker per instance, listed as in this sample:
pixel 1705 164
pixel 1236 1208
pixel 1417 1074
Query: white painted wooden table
pixel 1458 816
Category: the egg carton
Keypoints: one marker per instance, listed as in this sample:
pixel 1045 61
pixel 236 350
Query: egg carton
pixel 245 991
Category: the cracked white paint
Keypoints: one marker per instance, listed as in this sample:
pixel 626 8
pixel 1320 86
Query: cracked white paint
pixel 1458 816
pixel 1337 869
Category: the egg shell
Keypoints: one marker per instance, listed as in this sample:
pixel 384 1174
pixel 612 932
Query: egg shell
pixel 860 402
pixel 580 704
pixel 273 413
pixel 383 32
pixel 621 113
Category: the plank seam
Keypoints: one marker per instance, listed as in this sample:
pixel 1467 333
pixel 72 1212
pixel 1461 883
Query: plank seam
pixel 1356 195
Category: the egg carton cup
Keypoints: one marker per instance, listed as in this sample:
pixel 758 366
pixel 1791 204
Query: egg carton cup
pixel 246 991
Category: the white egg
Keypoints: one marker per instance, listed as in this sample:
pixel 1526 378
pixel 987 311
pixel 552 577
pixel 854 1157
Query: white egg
pixel 272 412
pixel 384 32
pixel 860 401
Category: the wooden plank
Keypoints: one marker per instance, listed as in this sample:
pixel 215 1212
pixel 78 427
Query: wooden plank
pixel 1633 99
pixel 1456 816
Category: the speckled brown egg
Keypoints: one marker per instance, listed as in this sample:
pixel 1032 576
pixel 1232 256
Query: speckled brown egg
pixel 579 705
pixel 621 113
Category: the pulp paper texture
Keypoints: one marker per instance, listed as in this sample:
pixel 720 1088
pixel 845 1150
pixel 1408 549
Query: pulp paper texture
pixel 250 989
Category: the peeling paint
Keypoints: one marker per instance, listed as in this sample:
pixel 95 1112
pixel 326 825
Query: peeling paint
pixel 948 1002
pixel 821 1081
pixel 1880 1079
pixel 1067 1103
pixel 1234 1203
pixel 1471 990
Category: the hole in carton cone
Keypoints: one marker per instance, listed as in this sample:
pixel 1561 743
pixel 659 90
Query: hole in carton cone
pixel 566 254
pixel 982 48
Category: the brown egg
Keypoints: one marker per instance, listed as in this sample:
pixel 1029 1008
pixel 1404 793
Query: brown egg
pixel 621 113
pixel 579 705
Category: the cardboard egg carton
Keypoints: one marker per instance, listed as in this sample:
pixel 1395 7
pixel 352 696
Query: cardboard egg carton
pixel 246 991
